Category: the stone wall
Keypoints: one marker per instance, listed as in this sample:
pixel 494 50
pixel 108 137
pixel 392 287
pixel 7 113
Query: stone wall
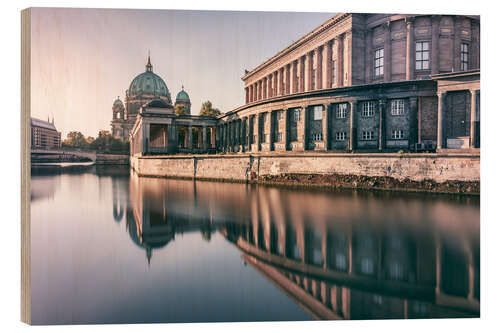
pixel 416 167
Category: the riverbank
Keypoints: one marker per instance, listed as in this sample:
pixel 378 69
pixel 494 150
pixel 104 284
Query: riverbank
pixel 440 173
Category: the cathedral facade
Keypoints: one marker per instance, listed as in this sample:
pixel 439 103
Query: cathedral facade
pixel 143 89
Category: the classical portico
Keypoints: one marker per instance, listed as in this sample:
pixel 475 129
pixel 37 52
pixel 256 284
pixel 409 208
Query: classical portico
pixel 158 130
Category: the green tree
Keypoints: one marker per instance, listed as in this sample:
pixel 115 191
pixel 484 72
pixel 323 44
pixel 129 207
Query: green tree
pixel 75 139
pixel 180 109
pixel 208 110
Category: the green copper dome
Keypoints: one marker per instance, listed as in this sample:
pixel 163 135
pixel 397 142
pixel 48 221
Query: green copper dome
pixel 148 83
pixel 182 96
pixel 118 102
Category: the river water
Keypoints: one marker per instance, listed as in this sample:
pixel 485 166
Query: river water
pixel 111 247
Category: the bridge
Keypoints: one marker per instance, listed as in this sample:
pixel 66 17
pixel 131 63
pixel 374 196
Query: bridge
pixel 61 155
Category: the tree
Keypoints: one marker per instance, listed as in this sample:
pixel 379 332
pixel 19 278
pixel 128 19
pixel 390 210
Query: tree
pixel 180 109
pixel 75 139
pixel 208 110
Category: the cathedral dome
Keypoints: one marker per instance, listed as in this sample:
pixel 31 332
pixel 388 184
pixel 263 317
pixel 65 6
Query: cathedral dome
pixel 118 102
pixel 148 83
pixel 182 96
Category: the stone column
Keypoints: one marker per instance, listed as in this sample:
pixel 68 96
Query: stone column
pixel 352 125
pixel 259 97
pixel 259 120
pixel 264 88
pixel 381 124
pixel 246 95
pixel 473 118
pixel 212 136
pixel 269 86
pixel 310 71
pixel 295 83
pixel 145 137
pixel 387 52
pixel 329 73
pixel 457 41
pixel 302 73
pixel 410 50
pixel 304 124
pixel 190 137
pixel 255 91
pixel 325 126
pixel 280 81
pixel 268 127
pixel 287 82
pixel 435 44
pixel 319 67
pixel 275 88
pixel 440 120
pixel 413 123
pixel 340 60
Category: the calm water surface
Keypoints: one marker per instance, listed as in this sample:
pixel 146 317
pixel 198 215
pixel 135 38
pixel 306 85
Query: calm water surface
pixel 111 247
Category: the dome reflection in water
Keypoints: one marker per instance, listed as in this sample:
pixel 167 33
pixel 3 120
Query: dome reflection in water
pixel 162 250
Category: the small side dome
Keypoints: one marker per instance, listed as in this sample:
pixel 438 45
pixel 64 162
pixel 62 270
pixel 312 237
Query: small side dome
pixel 118 102
pixel 182 96
pixel 157 103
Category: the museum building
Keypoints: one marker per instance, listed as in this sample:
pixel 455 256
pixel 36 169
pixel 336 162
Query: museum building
pixel 374 82
pixel 44 134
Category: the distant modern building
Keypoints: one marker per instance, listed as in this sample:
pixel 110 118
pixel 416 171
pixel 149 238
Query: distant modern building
pixel 143 89
pixel 44 134
pixel 373 82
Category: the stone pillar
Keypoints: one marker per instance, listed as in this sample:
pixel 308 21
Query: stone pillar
pixel 264 88
pixel 325 127
pixel 473 118
pixel 381 124
pixel 410 50
pixel 212 136
pixel 269 86
pixel 246 95
pixel 352 125
pixel 258 122
pixel 302 73
pixel 259 97
pixel 319 68
pixel 457 41
pixel 340 60
pixel 305 130
pixel 256 86
pixel 435 44
pixel 190 137
pixel 295 83
pixel 310 71
pixel 280 81
pixel 440 120
pixel 329 73
pixel 268 128
pixel 145 137
pixel 387 52
pixel 287 80
pixel 413 123
pixel 275 88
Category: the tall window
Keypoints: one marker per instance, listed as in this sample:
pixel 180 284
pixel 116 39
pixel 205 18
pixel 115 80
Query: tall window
pixel 318 112
pixel 296 115
pixel 368 109
pixel 341 110
pixel 379 62
pixel 334 72
pixel 422 56
pixel 464 57
pixel 397 107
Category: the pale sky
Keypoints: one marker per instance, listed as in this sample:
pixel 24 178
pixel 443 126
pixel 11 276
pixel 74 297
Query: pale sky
pixel 82 59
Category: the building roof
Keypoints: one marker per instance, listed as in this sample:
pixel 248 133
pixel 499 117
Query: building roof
pixel 118 101
pixel 148 83
pixel 35 122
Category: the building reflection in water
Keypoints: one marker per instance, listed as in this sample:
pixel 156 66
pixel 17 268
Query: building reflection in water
pixel 339 255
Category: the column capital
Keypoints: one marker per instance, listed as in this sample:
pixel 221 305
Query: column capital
pixel 473 91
